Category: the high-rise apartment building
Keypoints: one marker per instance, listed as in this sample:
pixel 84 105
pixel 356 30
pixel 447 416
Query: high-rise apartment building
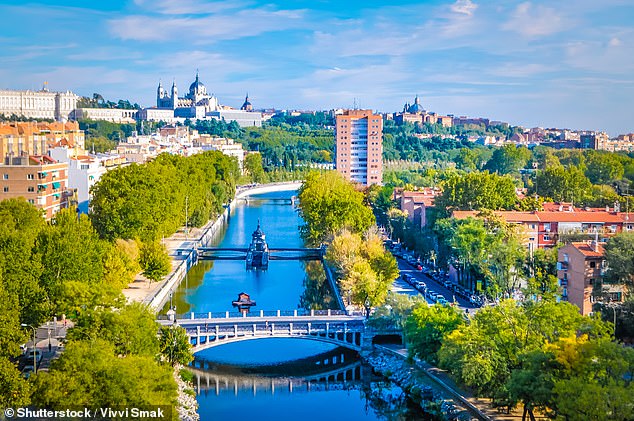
pixel 359 146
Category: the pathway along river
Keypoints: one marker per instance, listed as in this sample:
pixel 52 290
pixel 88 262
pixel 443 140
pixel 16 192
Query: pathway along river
pixel 278 379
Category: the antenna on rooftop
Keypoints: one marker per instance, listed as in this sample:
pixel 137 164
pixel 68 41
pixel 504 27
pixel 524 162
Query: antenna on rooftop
pixel 355 105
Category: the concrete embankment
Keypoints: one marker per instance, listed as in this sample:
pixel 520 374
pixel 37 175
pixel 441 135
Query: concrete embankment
pixel 421 385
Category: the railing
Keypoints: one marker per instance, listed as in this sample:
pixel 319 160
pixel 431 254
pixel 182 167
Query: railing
pixel 258 314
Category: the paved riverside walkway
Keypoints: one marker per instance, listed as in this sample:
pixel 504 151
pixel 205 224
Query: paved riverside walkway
pixel 446 381
pixel 141 289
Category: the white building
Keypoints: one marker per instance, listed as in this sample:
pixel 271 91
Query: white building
pixel 115 115
pixel 84 171
pixel 38 104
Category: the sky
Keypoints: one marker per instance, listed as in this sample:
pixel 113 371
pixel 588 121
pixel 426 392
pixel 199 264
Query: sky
pixel 566 64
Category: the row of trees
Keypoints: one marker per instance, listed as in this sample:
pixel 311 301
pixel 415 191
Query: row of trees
pixel 544 356
pixel 155 199
pixel 65 268
pixel 334 212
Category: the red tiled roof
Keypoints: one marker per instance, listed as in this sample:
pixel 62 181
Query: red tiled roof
pixel 542 216
pixel 588 250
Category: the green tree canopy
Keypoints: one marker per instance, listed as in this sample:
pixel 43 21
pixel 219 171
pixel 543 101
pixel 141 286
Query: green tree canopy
pixel 329 203
pixel 619 256
pixel 477 190
pixel 508 159
pixel 154 260
pixel 426 327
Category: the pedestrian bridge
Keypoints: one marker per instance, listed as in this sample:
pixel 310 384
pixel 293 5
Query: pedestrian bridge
pixel 240 253
pixel 208 330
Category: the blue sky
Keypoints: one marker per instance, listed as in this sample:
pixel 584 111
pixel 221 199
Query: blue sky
pixel 566 63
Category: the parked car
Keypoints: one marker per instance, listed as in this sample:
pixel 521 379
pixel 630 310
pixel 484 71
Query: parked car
pixel 27 371
pixel 406 277
pixel 29 356
pixel 421 284
pixel 440 299
pixel 432 295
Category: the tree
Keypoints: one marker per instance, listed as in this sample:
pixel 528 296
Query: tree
pixel 477 190
pixel 364 268
pixel 154 260
pixel 594 379
pixel 131 329
pixel 253 167
pixel 426 327
pixel 508 159
pixel 93 376
pixel 175 346
pixel 619 256
pixel 603 168
pixel 561 184
pixel 16 392
pixel 329 203
pixel 484 353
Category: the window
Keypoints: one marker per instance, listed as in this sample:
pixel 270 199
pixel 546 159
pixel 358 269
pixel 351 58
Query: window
pixel 566 257
pixel 593 264
pixel 30 176
pixel 546 237
pixel 5 177
pixel 547 227
pixel 6 189
pixel 30 189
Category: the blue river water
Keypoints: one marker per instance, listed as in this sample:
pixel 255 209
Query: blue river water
pixel 267 379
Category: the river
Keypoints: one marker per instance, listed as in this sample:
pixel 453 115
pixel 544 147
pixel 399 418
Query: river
pixel 278 379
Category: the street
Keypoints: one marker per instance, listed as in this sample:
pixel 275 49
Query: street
pixel 402 287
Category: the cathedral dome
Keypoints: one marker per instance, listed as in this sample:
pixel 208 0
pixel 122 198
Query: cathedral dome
pixel 416 107
pixel 247 105
pixel 197 87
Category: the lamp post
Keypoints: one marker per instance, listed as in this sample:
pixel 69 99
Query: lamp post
pixel 34 347
pixel 367 308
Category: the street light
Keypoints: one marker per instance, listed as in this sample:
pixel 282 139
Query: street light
pixel 34 347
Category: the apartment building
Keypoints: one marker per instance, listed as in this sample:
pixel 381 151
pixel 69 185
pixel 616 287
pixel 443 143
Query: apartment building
pixel 31 138
pixel 359 146
pixel 39 179
pixel 543 229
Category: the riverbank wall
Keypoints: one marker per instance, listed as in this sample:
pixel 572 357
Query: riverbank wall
pixel 414 379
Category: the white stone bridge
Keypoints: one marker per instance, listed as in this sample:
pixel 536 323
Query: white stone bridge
pixel 208 330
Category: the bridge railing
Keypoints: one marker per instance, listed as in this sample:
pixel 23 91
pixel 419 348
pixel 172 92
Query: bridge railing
pixel 254 314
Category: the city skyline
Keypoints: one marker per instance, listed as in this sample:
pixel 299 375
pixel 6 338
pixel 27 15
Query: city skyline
pixel 529 63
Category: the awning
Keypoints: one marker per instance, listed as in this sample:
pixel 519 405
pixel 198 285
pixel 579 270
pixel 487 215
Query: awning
pixel 56 196
pixel 56 185
pixel 44 173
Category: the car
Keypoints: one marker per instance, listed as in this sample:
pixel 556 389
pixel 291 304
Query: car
pixel 30 356
pixel 27 371
pixel 421 284
pixel 419 268
pixel 406 277
pixel 432 295
pixel 440 299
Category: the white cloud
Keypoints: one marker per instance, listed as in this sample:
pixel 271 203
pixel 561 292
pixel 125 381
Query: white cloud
pixel 465 7
pixel 615 42
pixel 206 29
pixel 187 7
pixel 535 20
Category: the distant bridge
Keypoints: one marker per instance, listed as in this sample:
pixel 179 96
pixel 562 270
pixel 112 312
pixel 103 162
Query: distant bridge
pixel 208 330
pixel 240 253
